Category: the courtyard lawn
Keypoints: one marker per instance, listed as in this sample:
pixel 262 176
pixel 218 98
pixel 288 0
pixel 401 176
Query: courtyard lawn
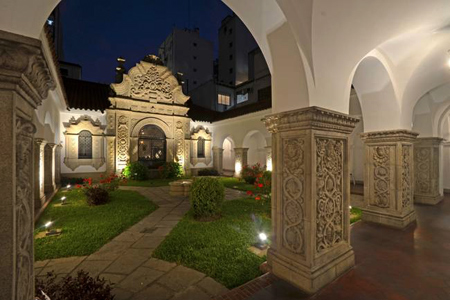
pixel 235 183
pixel 150 182
pixel 85 229
pixel 355 215
pixel 219 248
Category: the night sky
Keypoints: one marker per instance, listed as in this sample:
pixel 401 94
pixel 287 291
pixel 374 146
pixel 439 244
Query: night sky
pixel 96 32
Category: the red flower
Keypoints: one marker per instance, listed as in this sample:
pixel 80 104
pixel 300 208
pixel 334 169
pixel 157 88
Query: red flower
pixel 260 185
pixel 258 198
pixel 249 193
pixel 78 186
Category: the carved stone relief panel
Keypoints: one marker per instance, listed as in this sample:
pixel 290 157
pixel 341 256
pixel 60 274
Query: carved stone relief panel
pixel 329 180
pixel 293 185
pixel 407 176
pixel 123 142
pixel 24 210
pixel 423 165
pixel 381 176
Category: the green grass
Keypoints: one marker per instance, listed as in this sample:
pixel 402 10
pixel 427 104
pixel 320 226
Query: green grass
pixel 355 215
pixel 235 183
pixel 85 229
pixel 219 248
pixel 150 182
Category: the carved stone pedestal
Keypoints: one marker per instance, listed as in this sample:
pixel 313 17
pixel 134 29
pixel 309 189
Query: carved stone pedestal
pixel 427 152
pixel 240 160
pixel 310 196
pixel 389 178
pixel 24 82
pixel 218 159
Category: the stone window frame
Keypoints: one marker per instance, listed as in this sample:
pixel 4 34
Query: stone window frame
pixel 73 128
pixel 81 136
pixel 205 134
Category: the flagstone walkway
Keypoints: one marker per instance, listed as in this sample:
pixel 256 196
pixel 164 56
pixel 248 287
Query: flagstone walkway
pixel 126 261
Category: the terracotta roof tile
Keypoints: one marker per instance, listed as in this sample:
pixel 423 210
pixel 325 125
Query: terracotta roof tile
pixel 87 95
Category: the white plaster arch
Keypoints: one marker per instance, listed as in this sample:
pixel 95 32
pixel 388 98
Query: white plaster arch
pixel 228 160
pixel 151 121
pixel 255 141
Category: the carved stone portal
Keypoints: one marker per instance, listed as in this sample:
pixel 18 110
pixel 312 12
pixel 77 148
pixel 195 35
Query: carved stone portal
pixel 426 171
pixel 389 178
pixel 310 196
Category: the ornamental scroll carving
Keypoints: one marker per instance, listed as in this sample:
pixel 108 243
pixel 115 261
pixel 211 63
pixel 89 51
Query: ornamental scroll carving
pixel 381 174
pixel 329 180
pixel 406 176
pixel 24 210
pixel 436 170
pixel 293 182
pixel 122 139
pixel 179 137
pixel 423 165
pixel 149 85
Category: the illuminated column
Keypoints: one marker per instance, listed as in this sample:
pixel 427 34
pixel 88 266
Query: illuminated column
pixel 389 178
pixel 268 158
pixel 58 165
pixel 39 193
pixel 24 82
pixel 218 159
pixel 240 160
pixel 110 155
pixel 49 168
pixel 310 197
pixel 427 161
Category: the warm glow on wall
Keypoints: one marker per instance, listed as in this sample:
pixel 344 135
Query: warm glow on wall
pixel 238 168
pixel 269 164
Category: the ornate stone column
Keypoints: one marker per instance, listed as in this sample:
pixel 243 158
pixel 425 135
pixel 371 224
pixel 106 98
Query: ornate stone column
pixel 39 162
pixel 110 155
pixel 240 160
pixel 310 196
pixel 58 165
pixel 427 160
pixel 24 82
pixel 389 178
pixel 269 164
pixel 49 167
pixel 218 159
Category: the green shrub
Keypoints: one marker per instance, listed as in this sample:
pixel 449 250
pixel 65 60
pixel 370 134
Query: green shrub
pixel 208 172
pixel 96 195
pixel 249 174
pixel 81 287
pixel 136 171
pixel 206 196
pixel 170 170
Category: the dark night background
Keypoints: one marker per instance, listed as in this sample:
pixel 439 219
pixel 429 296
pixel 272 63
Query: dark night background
pixel 96 32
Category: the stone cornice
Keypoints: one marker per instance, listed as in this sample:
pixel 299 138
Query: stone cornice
pixel 23 67
pixel 311 118
pixel 390 136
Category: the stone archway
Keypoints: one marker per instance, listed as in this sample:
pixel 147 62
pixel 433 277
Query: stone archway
pixel 228 155
pixel 256 144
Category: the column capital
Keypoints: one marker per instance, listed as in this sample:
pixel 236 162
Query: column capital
pixel 241 149
pixel 52 145
pixel 431 141
pixel 399 135
pixel 23 68
pixel 311 118
pixel 40 142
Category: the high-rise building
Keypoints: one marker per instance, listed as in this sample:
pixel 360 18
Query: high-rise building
pixel 184 51
pixel 54 26
pixel 235 43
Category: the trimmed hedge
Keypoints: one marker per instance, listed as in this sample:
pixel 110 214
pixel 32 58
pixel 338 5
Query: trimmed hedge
pixel 135 171
pixel 206 196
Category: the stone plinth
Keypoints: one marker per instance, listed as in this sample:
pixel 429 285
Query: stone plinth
pixel 427 161
pixel 240 160
pixel 389 178
pixel 180 187
pixel 218 159
pixel 310 196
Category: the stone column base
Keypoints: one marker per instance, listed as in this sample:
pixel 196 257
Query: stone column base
pixel 428 200
pixel 395 221
pixel 310 280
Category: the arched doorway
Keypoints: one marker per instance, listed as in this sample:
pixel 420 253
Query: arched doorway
pixel 256 144
pixel 152 146
pixel 228 155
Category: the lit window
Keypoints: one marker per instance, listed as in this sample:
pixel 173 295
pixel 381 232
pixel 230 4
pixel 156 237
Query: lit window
pixel 242 98
pixel 224 99
pixel 85 145
pixel 200 147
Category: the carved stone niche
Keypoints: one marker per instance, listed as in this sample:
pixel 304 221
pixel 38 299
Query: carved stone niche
pixel 73 128
pixel 201 133
pixel 427 152
pixel 389 178
pixel 310 196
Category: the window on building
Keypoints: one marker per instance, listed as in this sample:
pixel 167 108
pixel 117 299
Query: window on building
pixel 265 94
pixel 224 99
pixel 231 56
pixel 195 57
pixel 195 70
pixel 231 44
pixel 225 29
pixel 201 147
pixel 231 82
pixel 231 31
pixel 195 44
pixel 231 70
pixel 85 145
pixel 195 81
pixel 242 98
pixel 64 72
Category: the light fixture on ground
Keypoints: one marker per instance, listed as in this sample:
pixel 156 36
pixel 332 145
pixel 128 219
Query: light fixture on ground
pixel 63 200
pixel 262 244
pixel 50 231
pixel 69 187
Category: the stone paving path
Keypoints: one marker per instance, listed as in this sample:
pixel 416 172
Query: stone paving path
pixel 126 261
